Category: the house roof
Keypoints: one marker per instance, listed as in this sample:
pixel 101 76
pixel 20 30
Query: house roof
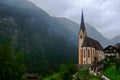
pixel 97 64
pixel 110 49
pixel 89 42
pixel 32 75
pixel 117 46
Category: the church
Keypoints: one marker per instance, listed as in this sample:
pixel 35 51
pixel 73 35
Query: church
pixel 89 50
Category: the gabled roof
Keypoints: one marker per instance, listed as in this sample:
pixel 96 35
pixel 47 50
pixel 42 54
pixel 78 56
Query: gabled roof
pixel 89 42
pixel 32 76
pixel 110 49
pixel 118 44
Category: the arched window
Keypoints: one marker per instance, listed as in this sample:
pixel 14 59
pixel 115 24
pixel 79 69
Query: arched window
pixel 93 52
pixel 84 53
pixel 88 53
pixel 80 36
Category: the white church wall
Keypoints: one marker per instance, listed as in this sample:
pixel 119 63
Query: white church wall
pixel 89 55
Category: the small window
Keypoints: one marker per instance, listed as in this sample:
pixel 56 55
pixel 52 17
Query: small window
pixel 93 52
pixel 80 36
pixel 106 50
pixel 84 62
pixel 114 50
pixel 110 47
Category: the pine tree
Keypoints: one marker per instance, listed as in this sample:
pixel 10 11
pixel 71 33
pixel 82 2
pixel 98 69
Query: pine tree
pixel 11 65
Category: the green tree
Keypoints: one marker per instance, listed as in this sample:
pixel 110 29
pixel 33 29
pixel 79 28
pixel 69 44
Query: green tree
pixel 117 66
pixel 11 65
pixel 19 66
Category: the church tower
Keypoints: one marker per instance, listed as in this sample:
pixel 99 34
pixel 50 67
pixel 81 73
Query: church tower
pixel 81 38
pixel 89 50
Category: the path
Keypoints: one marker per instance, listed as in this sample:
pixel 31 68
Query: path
pixel 104 77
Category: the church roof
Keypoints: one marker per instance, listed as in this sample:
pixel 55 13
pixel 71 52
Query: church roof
pixel 82 26
pixel 89 42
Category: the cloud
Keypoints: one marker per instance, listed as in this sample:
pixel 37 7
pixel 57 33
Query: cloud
pixel 102 14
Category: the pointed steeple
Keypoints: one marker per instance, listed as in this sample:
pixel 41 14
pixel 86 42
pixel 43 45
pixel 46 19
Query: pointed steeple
pixel 82 26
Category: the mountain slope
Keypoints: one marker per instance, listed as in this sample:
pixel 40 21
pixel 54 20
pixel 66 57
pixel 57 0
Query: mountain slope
pixel 115 40
pixel 35 32
pixel 91 31
pixel 46 41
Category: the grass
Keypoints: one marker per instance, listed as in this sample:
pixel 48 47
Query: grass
pixel 83 72
pixel 95 78
pixel 54 76
pixel 84 75
pixel 111 73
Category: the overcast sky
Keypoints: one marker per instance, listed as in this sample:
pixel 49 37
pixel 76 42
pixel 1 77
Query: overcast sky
pixel 104 15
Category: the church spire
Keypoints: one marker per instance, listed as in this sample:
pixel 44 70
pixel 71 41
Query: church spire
pixel 82 26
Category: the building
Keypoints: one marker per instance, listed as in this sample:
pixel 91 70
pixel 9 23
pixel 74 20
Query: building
pixel 117 46
pixel 89 50
pixel 96 68
pixel 32 77
pixel 110 51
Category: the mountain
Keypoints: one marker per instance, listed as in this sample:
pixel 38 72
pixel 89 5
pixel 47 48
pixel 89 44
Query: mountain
pixel 61 25
pixel 91 31
pixel 19 3
pixel 46 41
pixel 32 30
pixel 115 40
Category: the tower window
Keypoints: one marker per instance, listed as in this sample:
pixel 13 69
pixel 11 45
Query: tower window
pixel 80 36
